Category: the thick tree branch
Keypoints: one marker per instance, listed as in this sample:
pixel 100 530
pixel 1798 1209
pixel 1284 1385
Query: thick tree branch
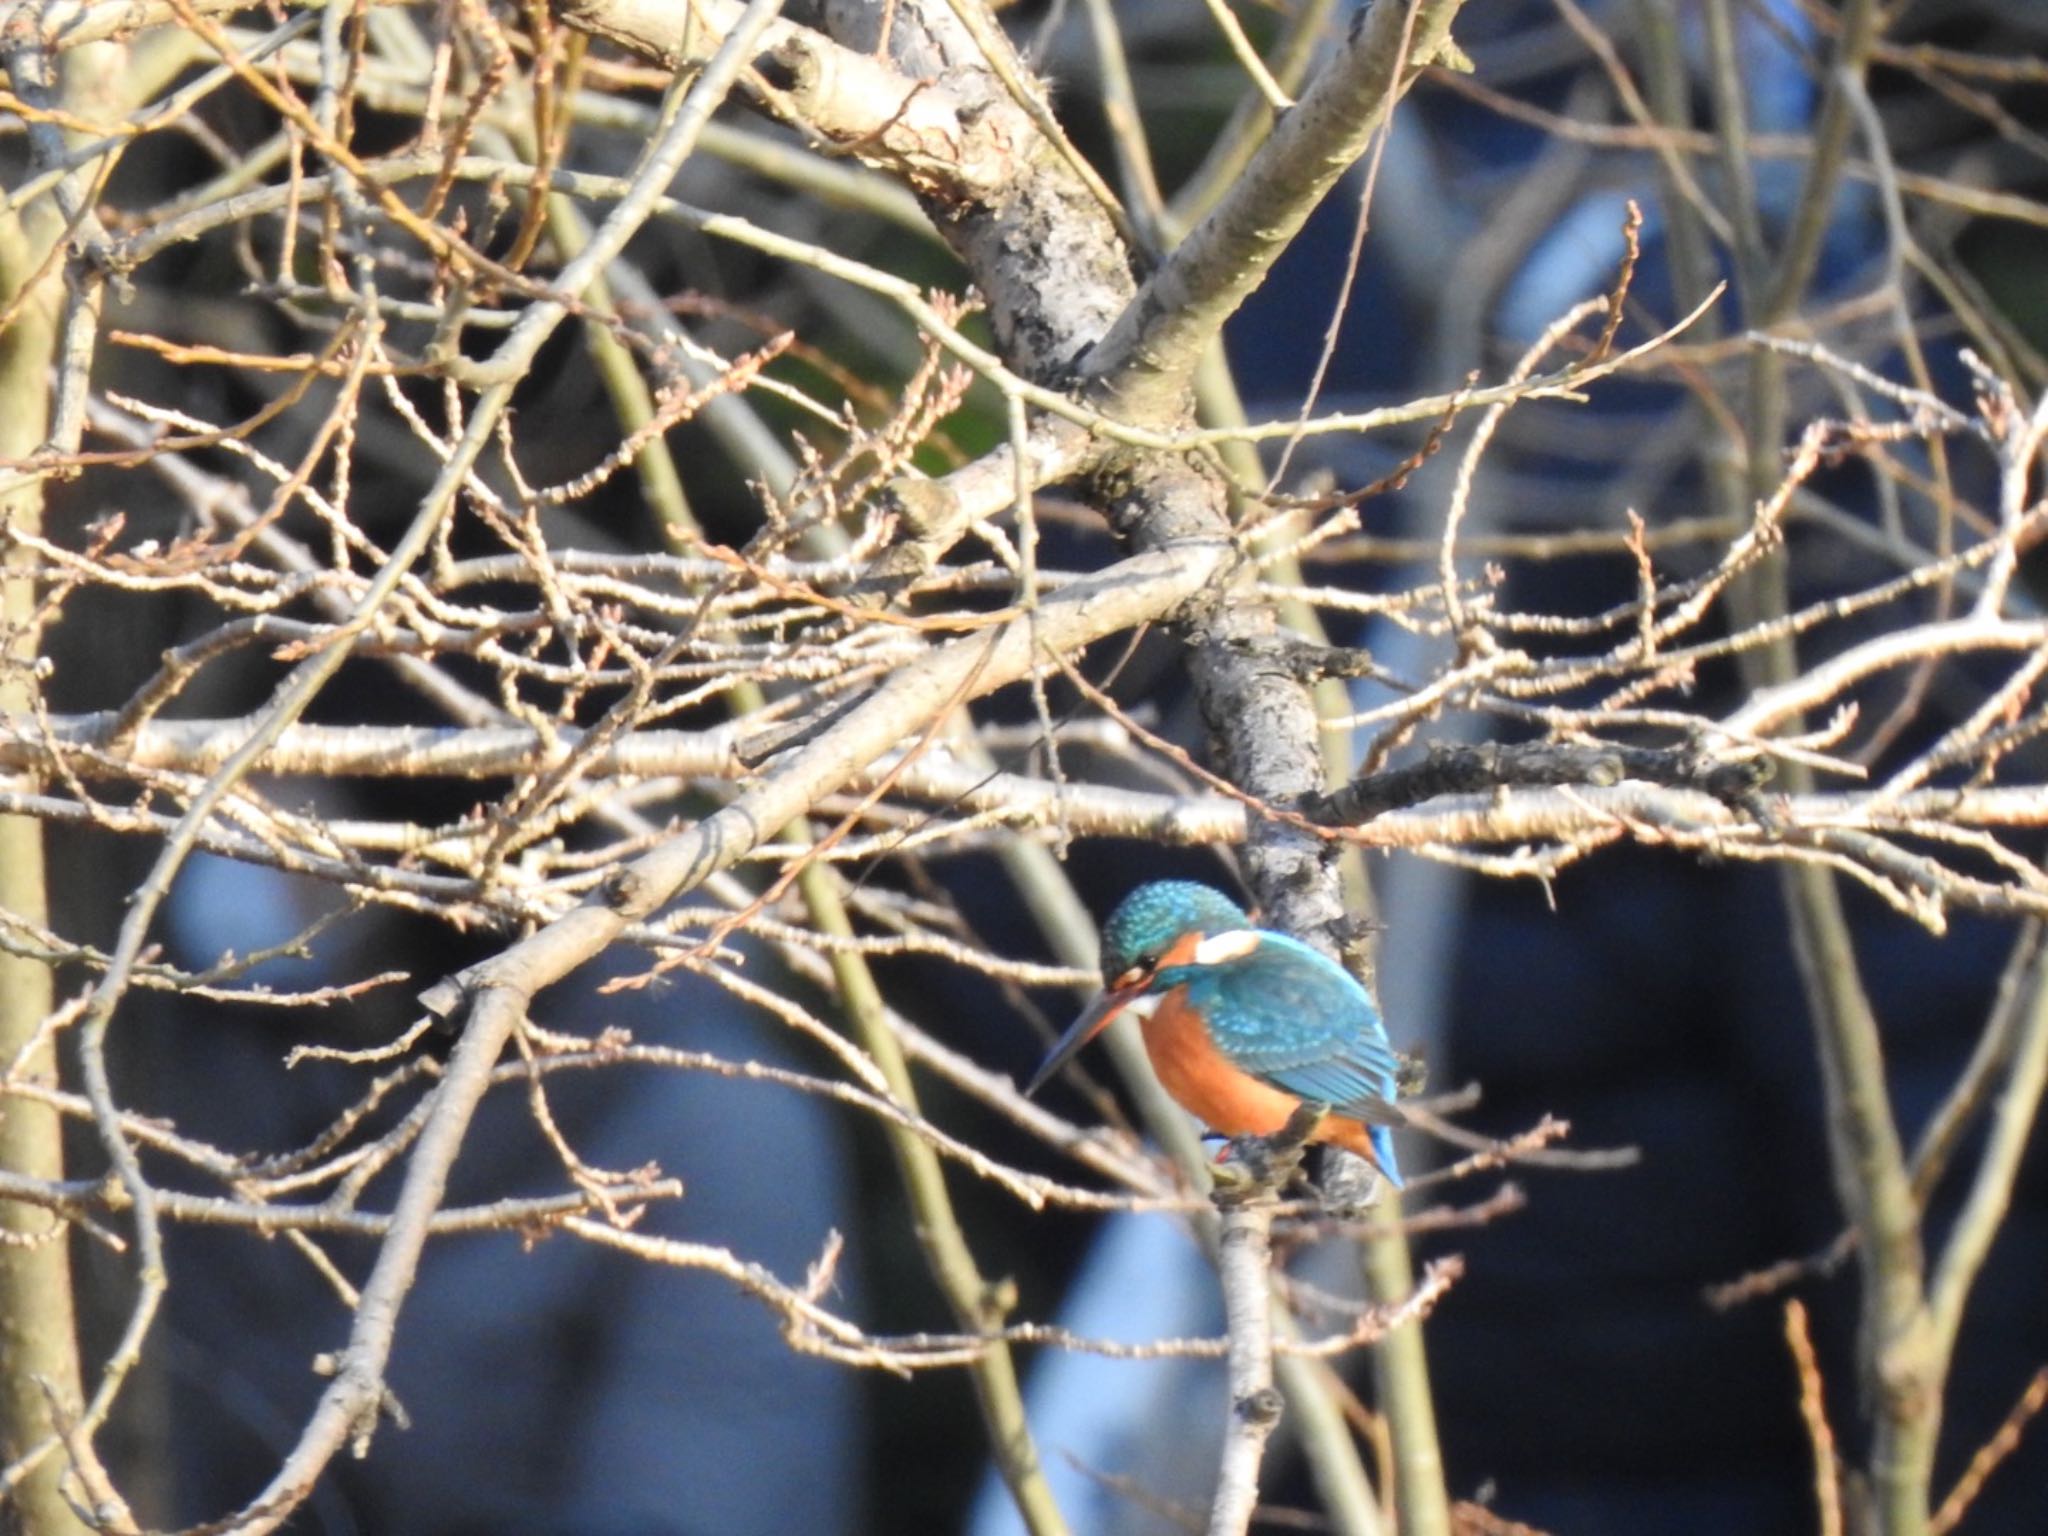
pixel 1142 368
pixel 1244 1262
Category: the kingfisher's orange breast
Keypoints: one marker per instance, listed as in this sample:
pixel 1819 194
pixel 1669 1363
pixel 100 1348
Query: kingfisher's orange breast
pixel 1224 1097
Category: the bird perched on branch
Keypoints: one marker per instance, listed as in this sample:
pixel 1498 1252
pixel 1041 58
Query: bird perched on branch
pixel 1250 1023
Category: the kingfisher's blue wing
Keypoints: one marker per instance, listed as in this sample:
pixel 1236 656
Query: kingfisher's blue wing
pixel 1289 1014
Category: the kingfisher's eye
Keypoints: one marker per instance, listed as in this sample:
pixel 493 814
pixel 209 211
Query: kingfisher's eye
pixel 1138 972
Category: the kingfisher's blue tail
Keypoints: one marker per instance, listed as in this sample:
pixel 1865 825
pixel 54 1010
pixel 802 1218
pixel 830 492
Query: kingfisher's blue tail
pixel 1383 1152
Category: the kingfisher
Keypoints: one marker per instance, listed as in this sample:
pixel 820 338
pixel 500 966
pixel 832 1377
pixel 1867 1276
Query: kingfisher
pixel 1249 1024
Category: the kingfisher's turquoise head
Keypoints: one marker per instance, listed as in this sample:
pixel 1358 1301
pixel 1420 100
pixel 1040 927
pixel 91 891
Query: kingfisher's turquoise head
pixel 1138 942
pixel 1145 924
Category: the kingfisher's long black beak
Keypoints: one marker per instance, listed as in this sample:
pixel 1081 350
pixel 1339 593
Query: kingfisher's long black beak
pixel 1094 1019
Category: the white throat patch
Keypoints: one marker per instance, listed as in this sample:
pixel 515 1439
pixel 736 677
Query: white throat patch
pixel 1221 947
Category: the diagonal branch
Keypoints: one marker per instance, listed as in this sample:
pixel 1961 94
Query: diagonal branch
pixel 2012 1126
pixel 1141 369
